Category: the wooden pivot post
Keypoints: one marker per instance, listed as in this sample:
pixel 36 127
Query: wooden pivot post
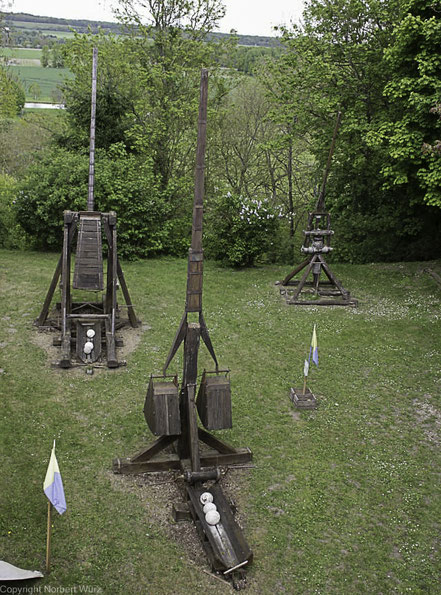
pixel 188 443
pixel 66 295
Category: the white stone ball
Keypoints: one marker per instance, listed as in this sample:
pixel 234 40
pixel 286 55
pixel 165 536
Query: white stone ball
pixel 209 506
pixel 88 347
pixel 206 497
pixel 90 333
pixel 212 517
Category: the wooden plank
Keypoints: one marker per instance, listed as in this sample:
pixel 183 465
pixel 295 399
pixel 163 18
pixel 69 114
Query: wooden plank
pixel 88 273
pixel 172 461
pixel 160 463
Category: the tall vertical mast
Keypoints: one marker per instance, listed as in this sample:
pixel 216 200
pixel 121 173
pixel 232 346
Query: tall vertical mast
pixel 196 236
pixel 193 300
pixel 321 199
pixel 90 197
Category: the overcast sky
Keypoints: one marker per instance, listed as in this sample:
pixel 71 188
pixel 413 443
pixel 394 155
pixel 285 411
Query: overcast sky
pixel 253 17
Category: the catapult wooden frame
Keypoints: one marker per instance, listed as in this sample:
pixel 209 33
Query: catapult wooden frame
pixel 76 319
pixel 172 410
pixel 317 243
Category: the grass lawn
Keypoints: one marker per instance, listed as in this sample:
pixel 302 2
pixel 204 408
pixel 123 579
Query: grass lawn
pixel 45 80
pixel 343 499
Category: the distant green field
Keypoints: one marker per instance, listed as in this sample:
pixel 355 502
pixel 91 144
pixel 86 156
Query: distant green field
pixel 41 83
pixel 39 26
pixel 25 54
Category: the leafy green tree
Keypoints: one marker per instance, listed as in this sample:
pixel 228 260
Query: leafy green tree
pixel 45 56
pixel 57 56
pixel 117 91
pixel 412 126
pixel 12 96
pixel 147 95
pixel 335 61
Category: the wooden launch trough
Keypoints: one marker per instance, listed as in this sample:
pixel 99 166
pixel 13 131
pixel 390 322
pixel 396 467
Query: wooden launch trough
pixel 88 327
pixel 171 412
pixel 317 243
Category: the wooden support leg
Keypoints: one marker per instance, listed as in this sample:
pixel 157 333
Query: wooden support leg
pixel 214 442
pixel 65 297
pixel 301 266
pixel 153 449
pixel 50 294
pixel 112 361
pixel 109 224
pixel 333 279
pixel 302 280
pixel 130 310
pixel 193 429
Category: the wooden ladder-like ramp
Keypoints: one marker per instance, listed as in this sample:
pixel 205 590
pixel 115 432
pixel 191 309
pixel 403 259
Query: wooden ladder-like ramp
pixel 88 274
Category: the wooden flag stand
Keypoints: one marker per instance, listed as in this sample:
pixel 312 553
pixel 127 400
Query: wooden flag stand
pixel 303 398
pixel 48 538
pixel 317 243
pixel 171 412
pixel 89 326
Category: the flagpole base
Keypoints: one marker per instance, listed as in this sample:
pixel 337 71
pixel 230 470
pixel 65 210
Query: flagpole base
pixel 303 399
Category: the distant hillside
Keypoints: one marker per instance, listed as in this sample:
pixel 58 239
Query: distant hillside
pixel 29 30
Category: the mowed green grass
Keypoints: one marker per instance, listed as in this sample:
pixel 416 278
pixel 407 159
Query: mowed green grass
pixel 343 499
pixel 47 79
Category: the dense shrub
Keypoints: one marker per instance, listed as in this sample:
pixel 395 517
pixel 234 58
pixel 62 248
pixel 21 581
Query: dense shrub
pixel 58 181
pixel 11 234
pixel 239 230
pixel 12 95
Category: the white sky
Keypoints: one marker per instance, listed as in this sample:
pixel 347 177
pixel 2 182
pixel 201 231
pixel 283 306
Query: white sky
pixel 252 17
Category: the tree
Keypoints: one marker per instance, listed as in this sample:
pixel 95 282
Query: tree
pixel 12 96
pixel 45 56
pixel 148 93
pixel 147 105
pixel 335 61
pixel 412 126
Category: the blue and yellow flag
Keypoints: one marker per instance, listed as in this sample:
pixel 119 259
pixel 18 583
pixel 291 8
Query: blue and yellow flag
pixel 53 484
pixel 313 350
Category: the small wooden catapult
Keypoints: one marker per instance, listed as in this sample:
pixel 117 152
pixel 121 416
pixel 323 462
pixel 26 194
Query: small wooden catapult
pixel 316 244
pixel 170 412
pixel 88 325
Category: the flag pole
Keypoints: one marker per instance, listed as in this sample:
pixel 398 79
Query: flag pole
pixel 48 540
